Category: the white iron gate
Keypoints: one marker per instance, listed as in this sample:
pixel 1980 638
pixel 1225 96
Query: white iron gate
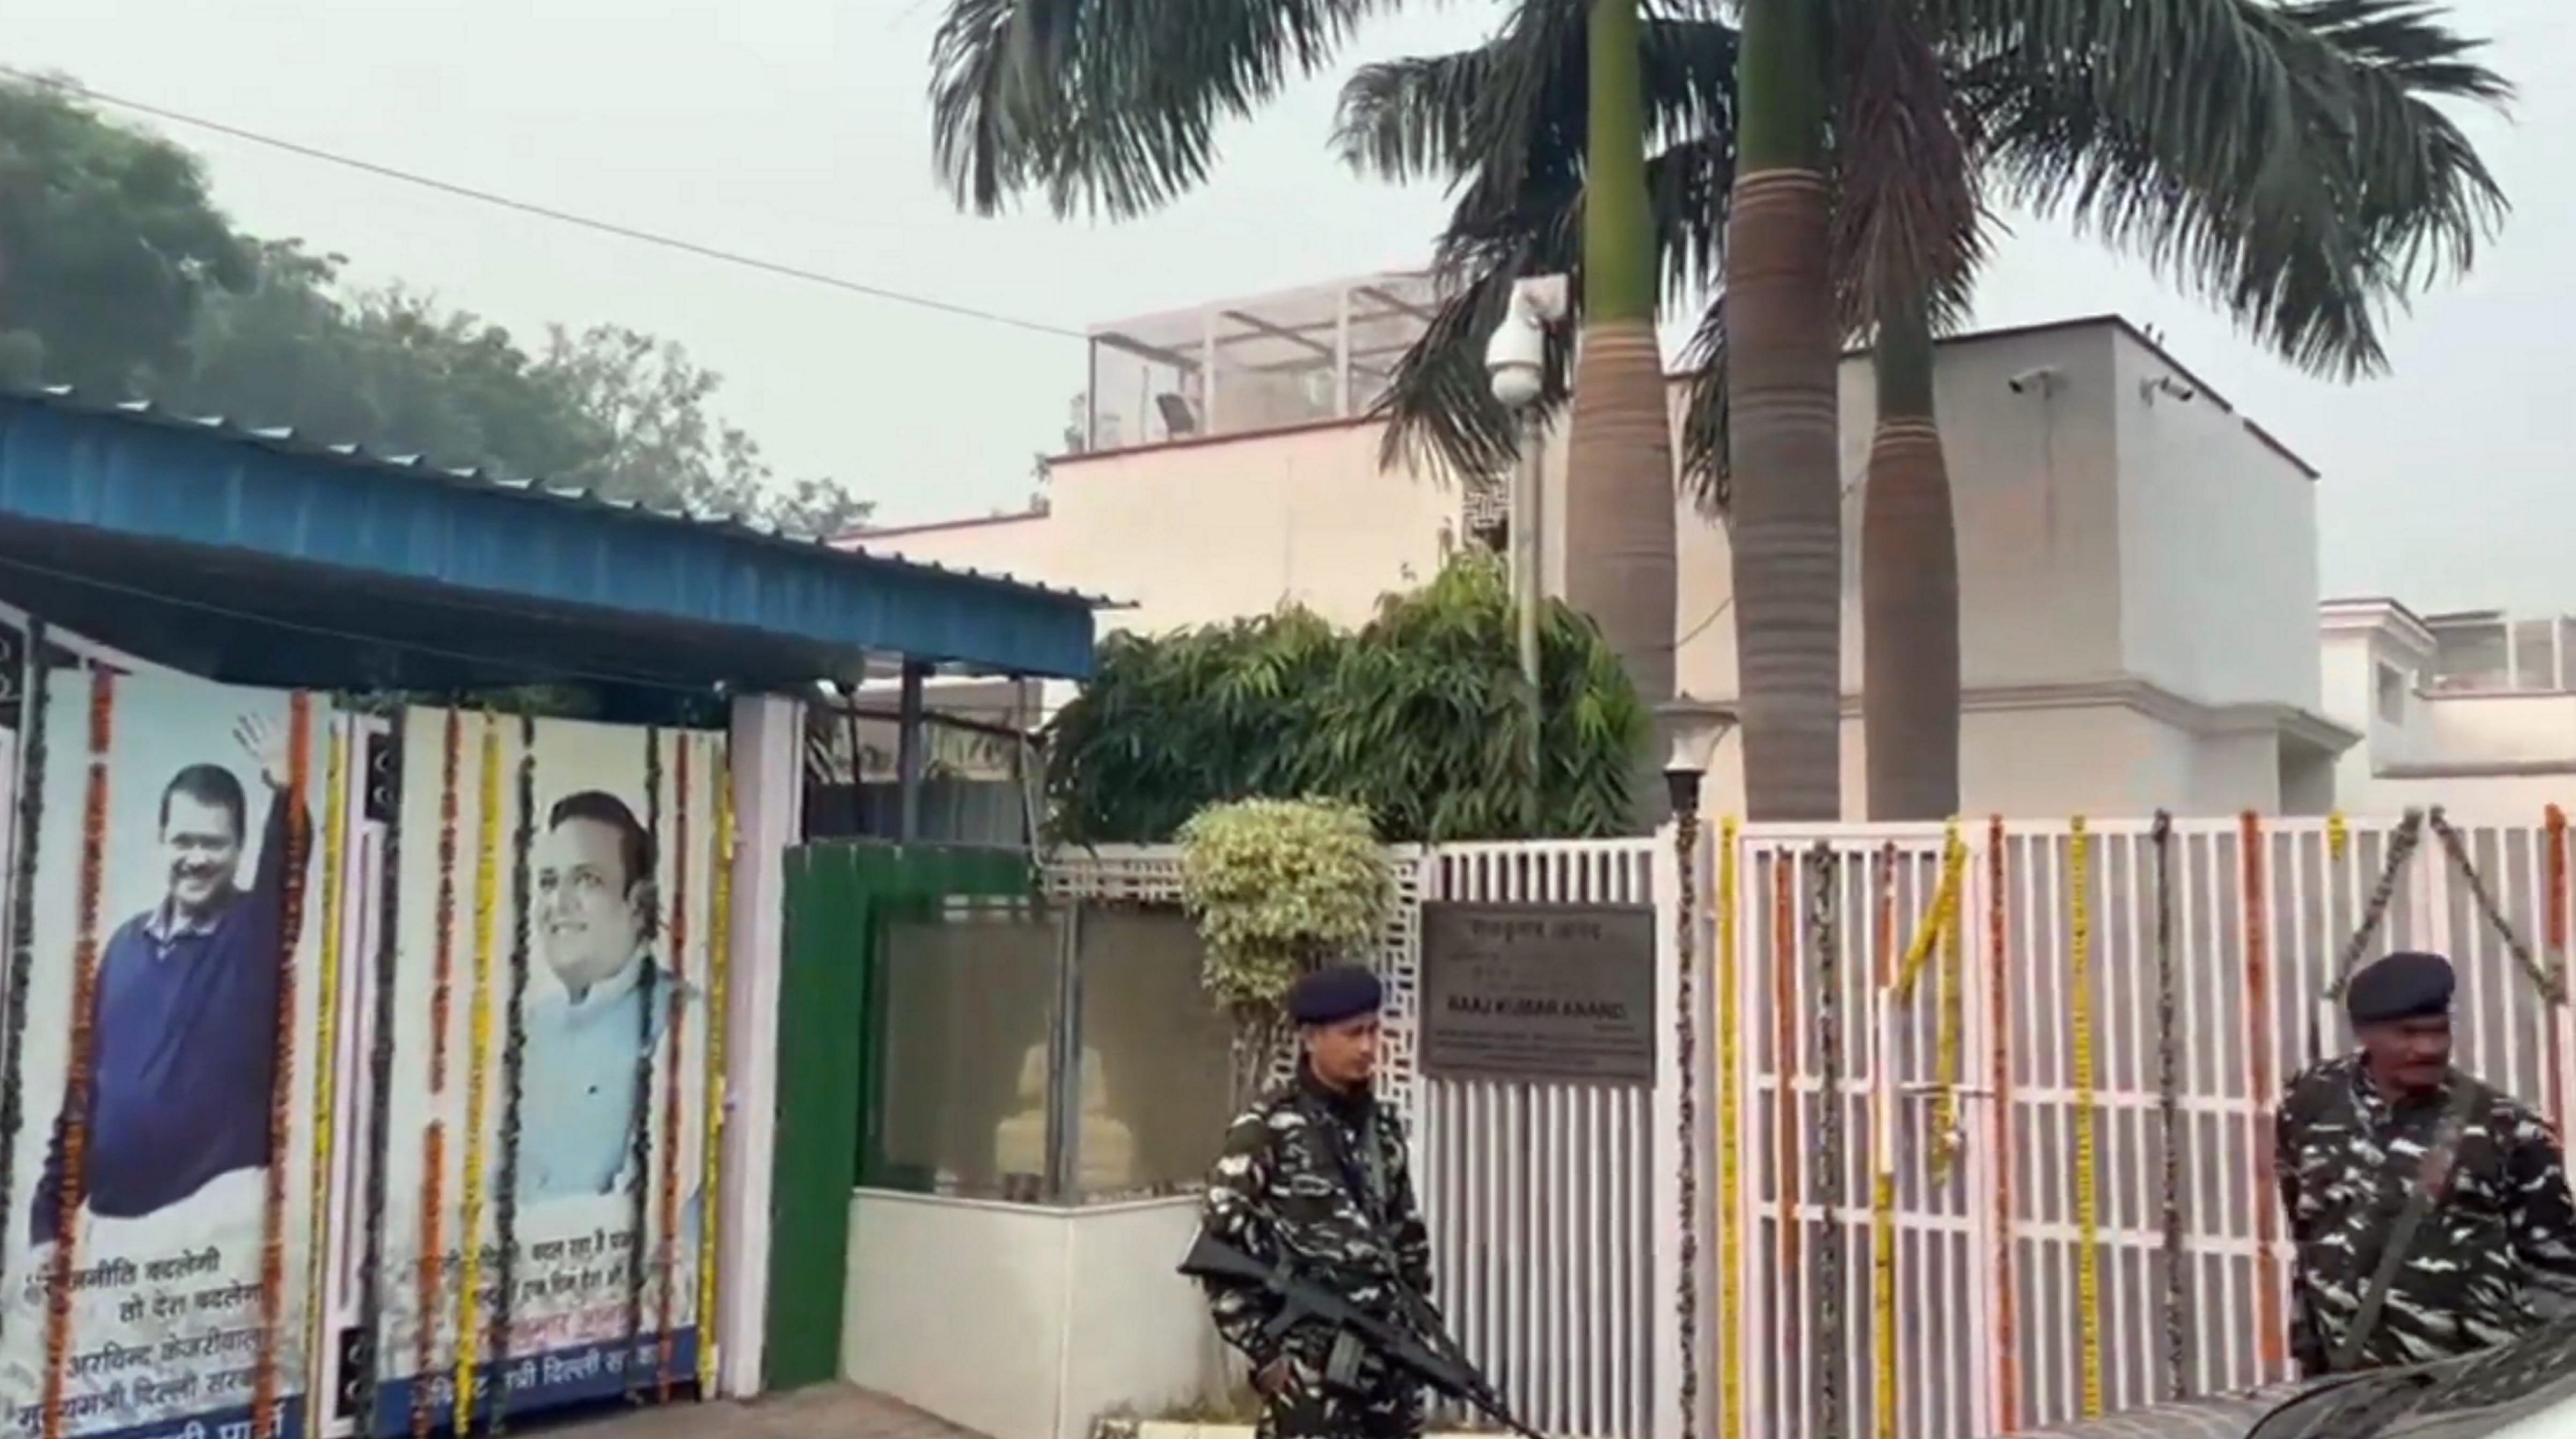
pixel 2019 1286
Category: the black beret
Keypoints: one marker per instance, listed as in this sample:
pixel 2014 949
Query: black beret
pixel 2406 985
pixel 1329 996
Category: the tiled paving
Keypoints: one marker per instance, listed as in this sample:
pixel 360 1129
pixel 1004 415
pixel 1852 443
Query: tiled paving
pixel 830 1411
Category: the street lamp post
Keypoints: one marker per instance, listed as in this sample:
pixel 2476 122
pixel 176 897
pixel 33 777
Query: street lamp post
pixel 1516 363
pixel 1692 729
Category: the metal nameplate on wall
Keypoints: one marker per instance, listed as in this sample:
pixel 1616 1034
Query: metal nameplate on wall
pixel 1539 992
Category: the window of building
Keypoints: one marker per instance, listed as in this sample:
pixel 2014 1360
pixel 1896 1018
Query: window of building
pixel 1044 1055
pixel 2535 655
pixel 2392 694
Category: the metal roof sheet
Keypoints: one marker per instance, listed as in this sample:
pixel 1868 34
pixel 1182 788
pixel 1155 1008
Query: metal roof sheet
pixel 286 440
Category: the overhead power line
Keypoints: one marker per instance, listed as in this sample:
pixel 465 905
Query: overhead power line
pixel 548 212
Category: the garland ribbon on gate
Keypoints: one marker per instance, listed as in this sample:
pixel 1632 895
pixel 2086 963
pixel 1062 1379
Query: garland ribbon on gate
pixel 1791 1125
pixel 326 1058
pixel 1941 928
pixel 1730 1139
pixel 674 1035
pixel 1882 1141
pixel 514 1054
pixel 385 798
pixel 2169 1109
pixel 2554 934
pixel 2088 1198
pixel 77 1079
pixel 38 690
pixel 1829 1143
pixel 281 1084
pixel 640 1122
pixel 478 1030
pixel 1685 910
pixel 433 1139
pixel 1999 1004
pixel 2259 1039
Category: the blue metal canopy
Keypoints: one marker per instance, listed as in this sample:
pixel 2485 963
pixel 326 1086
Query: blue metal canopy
pixel 260 557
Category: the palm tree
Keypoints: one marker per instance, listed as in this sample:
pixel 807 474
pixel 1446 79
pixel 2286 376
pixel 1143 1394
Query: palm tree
pixel 1109 106
pixel 2285 160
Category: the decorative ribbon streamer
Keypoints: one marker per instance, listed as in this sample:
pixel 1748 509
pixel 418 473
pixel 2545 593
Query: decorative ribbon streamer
pixel 326 1059
pixel 433 1139
pixel 640 1124
pixel 1882 1143
pixel 514 1055
pixel 2169 1112
pixel 386 796
pixel 2402 843
pixel 2338 836
pixel 2542 980
pixel 478 1030
pixel 38 689
pixel 1791 1123
pixel 670 1259
pixel 2088 1198
pixel 84 1053
pixel 1999 1004
pixel 2260 1037
pixel 281 1087
pixel 2554 830
pixel 1831 1389
pixel 1686 1057
pixel 1730 1143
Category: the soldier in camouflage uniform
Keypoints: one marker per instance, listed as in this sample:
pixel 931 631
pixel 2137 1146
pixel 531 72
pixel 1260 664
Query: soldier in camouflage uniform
pixel 1315 1174
pixel 2496 1247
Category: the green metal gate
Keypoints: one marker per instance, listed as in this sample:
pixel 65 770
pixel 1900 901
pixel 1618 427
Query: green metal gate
pixel 840 895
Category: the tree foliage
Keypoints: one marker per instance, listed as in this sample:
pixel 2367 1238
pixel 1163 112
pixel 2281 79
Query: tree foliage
pixel 1418 717
pixel 2290 161
pixel 120 276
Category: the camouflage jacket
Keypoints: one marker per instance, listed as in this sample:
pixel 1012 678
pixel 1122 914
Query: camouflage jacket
pixel 2496 1251
pixel 1280 1191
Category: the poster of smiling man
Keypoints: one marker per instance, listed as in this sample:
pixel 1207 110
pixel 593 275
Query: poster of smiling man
pixel 157 1205
pixel 546 1111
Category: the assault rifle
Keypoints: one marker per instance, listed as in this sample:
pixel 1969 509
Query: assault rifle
pixel 1431 1358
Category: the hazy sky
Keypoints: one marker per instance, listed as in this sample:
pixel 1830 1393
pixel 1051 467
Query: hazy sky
pixel 796 130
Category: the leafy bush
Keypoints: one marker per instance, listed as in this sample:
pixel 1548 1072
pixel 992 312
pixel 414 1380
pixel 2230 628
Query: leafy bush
pixel 1418 718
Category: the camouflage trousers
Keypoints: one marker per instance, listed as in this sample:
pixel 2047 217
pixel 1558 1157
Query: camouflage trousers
pixel 1387 1408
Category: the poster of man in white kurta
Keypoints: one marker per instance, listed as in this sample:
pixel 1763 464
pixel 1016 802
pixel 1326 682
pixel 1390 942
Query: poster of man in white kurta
pixel 166 891
pixel 614 868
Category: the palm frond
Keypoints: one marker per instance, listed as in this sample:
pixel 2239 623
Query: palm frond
pixel 1909 216
pixel 2287 160
pixel 1705 437
pixel 1110 106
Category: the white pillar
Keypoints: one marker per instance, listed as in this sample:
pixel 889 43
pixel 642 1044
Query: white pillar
pixel 769 801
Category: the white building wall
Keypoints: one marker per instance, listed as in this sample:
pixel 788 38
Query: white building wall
pixel 2200 544
pixel 2129 570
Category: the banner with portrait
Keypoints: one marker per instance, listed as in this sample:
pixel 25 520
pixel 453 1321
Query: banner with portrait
pixel 545 1112
pixel 156 1195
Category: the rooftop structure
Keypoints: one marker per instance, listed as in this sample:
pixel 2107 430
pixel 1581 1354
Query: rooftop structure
pixel 1325 352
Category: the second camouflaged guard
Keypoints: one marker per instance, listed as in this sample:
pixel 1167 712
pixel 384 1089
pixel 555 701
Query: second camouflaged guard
pixel 2495 1248
pixel 1316 1172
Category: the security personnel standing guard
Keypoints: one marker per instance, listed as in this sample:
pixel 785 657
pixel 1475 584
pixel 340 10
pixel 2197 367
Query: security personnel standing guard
pixel 2358 1137
pixel 1314 1175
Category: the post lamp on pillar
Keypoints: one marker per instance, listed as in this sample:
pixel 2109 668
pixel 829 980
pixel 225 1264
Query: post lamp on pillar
pixel 1516 363
pixel 1691 730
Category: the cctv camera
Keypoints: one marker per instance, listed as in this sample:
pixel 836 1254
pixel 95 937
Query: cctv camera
pixel 2042 379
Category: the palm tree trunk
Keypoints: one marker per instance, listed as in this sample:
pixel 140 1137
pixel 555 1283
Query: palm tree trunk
pixel 1619 467
pixel 1786 520
pixel 1909 589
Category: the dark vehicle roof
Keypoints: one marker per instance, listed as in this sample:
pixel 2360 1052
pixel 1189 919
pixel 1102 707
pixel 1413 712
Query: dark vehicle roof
pixel 2463 1398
